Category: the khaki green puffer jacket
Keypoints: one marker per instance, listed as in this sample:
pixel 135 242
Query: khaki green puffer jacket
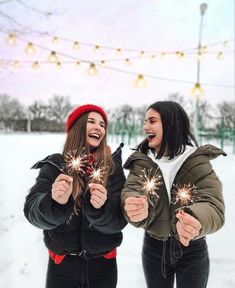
pixel 208 206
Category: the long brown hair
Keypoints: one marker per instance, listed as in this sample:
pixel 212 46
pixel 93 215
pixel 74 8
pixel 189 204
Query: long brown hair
pixel 76 142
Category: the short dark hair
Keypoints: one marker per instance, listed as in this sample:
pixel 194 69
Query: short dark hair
pixel 176 129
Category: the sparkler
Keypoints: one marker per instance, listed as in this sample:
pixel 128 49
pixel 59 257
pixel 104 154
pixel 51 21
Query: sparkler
pixel 150 182
pixel 78 164
pixel 85 165
pixel 184 194
pixel 97 173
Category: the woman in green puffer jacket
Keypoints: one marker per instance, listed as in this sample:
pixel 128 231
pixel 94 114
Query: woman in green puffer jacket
pixel 173 193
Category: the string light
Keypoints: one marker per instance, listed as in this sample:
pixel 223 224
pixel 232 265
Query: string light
pixel 197 90
pixel 180 54
pixel 200 55
pixel 11 40
pixel 53 58
pixel 76 45
pixel 220 55
pixel 78 64
pixel 92 69
pixel 55 40
pixel 16 64
pixel 118 50
pixel 35 65
pixel 225 44
pixel 204 49
pixel 127 61
pixel 58 64
pixel 140 81
pixel 30 49
pixel 96 48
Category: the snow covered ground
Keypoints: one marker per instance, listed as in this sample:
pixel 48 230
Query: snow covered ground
pixel 23 257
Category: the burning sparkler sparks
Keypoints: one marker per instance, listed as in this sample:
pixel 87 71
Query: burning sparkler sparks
pixel 97 173
pixel 184 194
pixel 150 183
pixel 78 164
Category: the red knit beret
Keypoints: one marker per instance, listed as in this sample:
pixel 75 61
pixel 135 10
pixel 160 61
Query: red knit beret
pixel 81 110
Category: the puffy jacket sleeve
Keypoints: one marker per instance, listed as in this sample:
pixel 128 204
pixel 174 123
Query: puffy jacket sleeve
pixel 209 207
pixel 39 208
pixel 133 188
pixel 109 218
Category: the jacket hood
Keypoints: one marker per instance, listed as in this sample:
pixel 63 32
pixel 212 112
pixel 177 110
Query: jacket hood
pixel 208 150
pixel 58 161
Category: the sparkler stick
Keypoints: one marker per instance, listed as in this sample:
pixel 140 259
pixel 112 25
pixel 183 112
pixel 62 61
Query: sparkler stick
pixel 184 195
pixel 150 182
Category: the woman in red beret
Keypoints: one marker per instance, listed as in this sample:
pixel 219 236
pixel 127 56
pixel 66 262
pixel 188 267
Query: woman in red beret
pixel 76 201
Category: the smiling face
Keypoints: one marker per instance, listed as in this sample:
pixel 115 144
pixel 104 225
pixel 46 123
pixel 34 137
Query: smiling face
pixel 95 129
pixel 153 129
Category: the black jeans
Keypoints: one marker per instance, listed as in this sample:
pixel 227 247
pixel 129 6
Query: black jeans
pixel 163 261
pixel 77 272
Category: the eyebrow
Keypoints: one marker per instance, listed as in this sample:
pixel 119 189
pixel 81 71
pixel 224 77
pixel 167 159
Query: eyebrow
pixel 91 118
pixel 151 118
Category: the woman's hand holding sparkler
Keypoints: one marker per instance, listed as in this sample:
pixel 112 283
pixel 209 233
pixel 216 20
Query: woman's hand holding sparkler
pixel 188 227
pixel 136 208
pixel 62 189
pixel 98 194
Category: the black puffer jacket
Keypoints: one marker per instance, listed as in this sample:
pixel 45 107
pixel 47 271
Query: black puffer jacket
pixel 94 232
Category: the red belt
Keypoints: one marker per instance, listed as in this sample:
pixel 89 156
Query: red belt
pixel 59 258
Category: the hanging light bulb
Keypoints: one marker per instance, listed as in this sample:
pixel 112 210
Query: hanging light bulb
pixel 127 61
pixel 11 39
pixel 200 55
pixel 204 49
pixel 35 65
pixel 118 50
pixel 140 81
pixel 180 54
pixel 220 55
pixel 53 58
pixel 58 64
pixel 142 53
pixel 225 44
pixel 96 48
pixel 92 69
pixel 197 90
pixel 76 45
pixel 30 49
pixel 16 64
pixel 102 62
pixel 78 64
pixel 55 40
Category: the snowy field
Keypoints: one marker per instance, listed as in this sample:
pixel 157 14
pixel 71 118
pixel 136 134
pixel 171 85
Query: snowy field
pixel 23 257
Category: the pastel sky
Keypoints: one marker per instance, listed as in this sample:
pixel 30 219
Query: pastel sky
pixel 149 25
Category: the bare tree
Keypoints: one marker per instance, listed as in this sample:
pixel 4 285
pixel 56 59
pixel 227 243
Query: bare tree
pixel 176 97
pixel 10 110
pixel 59 107
pixel 38 110
pixel 227 114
